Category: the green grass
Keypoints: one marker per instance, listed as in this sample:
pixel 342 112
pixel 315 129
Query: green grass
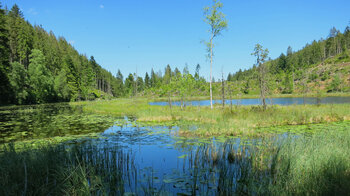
pixel 241 121
pixel 304 165
pixel 63 170
pixel 319 165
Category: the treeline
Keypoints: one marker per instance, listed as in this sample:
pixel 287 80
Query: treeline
pixel 38 67
pixel 289 67
pixel 168 84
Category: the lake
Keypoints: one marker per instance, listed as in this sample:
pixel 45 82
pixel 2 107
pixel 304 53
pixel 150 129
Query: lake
pixel 146 159
pixel 257 101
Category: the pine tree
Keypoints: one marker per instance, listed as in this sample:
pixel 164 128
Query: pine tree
pixel 119 84
pixel 147 81
pixel 167 74
pixel 14 21
pixel 4 60
pixel 129 85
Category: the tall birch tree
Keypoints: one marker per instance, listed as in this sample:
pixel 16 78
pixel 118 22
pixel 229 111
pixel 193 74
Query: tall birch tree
pixel 217 22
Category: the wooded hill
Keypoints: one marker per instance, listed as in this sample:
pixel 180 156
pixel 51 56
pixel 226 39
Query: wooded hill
pixel 38 67
pixel 319 66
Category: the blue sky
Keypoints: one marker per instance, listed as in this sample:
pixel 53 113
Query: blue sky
pixel 140 34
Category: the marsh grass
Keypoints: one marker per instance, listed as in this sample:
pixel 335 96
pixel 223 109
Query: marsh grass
pixel 317 165
pixel 240 121
pixel 64 170
pixel 303 165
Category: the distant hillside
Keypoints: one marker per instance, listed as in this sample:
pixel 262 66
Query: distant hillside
pixel 322 66
pixel 38 67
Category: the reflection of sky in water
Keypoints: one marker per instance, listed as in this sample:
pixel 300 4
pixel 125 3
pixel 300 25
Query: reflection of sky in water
pixel 274 101
pixel 160 154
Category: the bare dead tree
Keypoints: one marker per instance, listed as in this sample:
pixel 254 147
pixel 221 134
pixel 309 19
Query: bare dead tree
pixel 261 55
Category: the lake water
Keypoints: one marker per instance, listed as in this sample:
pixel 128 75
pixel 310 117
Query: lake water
pixel 151 160
pixel 274 101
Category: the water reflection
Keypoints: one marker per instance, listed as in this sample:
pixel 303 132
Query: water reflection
pixel 165 164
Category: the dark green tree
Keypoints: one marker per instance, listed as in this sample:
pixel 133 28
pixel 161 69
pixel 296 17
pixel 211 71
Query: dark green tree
pixel 19 82
pixel 40 78
pixel 147 81
pixel 196 75
pixel 14 24
pixel 130 85
pixel 119 84
pixel 154 78
pixel 4 60
pixel 167 74
pixel 61 87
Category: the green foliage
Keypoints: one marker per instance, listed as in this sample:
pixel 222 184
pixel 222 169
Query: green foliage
pixel 335 84
pixel 4 59
pixel 288 84
pixel 61 87
pixel 40 78
pixel 19 82
pixel 215 18
pixel 325 76
pixel 313 76
pixel 130 85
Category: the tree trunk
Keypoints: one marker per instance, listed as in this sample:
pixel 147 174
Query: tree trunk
pixel 223 90
pixel 262 85
pixel 229 90
pixel 169 101
pixel 182 101
pixel 211 72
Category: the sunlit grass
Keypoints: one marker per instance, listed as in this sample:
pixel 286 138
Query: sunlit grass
pixel 241 120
